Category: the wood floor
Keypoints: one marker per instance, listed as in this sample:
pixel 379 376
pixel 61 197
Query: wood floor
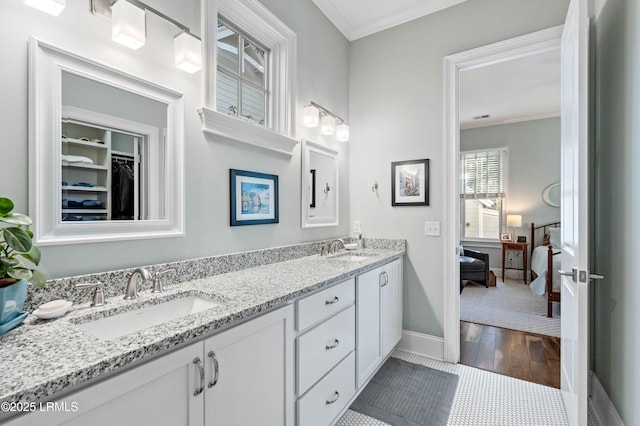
pixel 531 357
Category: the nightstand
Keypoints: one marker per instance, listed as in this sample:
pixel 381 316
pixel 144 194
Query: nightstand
pixel 513 246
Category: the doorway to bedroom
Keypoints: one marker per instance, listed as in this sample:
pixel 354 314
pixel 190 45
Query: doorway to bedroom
pixel 509 163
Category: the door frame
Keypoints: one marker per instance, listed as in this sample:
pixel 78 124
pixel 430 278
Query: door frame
pixel 502 51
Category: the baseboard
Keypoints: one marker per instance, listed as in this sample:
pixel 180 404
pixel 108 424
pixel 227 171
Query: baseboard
pixel 422 344
pixel 602 405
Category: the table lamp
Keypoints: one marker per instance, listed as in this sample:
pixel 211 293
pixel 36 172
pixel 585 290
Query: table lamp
pixel 514 221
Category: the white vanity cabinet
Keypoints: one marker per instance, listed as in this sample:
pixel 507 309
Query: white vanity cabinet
pixel 253 364
pixel 379 317
pixel 325 354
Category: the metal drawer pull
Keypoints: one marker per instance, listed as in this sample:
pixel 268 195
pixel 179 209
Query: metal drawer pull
pixel 216 371
pixel 332 301
pixel 198 362
pixel 336 396
pixel 334 345
pixel 386 278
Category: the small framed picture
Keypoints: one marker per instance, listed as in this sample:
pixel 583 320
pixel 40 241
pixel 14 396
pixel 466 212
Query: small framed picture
pixel 410 183
pixel 522 239
pixel 506 236
pixel 254 198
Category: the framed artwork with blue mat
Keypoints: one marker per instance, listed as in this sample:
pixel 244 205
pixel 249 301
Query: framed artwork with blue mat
pixel 254 198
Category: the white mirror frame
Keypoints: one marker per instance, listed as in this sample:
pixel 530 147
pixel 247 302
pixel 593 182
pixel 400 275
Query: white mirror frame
pixel 308 221
pixel 46 64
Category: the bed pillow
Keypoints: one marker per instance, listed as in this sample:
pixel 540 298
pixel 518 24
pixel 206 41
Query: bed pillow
pixel 554 237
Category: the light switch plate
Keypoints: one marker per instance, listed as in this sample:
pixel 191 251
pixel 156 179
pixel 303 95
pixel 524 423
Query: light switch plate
pixel 432 229
pixel 357 227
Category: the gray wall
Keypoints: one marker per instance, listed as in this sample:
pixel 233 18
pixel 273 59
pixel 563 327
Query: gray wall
pixel 533 162
pixel 616 203
pixel 323 76
pixel 397 114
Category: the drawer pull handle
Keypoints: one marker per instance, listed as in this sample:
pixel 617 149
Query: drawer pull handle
pixel 332 301
pixel 198 362
pixel 216 370
pixel 334 345
pixel 336 396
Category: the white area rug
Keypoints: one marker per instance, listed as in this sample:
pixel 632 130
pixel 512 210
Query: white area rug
pixel 509 305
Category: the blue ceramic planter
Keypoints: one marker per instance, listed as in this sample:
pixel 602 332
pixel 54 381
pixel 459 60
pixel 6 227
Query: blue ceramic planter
pixel 11 301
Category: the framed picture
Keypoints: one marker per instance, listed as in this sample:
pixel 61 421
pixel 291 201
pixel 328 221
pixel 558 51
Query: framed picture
pixel 506 236
pixel 254 198
pixel 410 183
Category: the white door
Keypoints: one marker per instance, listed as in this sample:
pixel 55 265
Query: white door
pixel 390 303
pixel 368 324
pixel 575 225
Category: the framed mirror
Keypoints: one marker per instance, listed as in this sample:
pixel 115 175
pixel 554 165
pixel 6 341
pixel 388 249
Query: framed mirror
pixel 106 152
pixel 319 185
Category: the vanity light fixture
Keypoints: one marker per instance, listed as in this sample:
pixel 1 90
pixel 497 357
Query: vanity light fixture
pixel 311 116
pixel 188 51
pixel 342 132
pixel 329 122
pixel 128 22
pixel 52 7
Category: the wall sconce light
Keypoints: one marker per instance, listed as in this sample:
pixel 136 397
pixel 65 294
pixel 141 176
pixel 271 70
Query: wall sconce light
pixel 128 23
pixel 329 122
pixel 311 116
pixel 188 51
pixel 342 132
pixel 52 7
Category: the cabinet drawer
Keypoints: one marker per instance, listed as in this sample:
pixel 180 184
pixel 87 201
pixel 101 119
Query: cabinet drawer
pixel 321 348
pixel 319 306
pixel 322 404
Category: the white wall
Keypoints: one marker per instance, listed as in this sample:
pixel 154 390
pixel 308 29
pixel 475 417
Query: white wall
pixel 397 114
pixel 615 205
pixel 323 76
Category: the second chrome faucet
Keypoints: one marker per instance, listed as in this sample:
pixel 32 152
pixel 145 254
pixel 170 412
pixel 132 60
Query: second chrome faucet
pixel 132 285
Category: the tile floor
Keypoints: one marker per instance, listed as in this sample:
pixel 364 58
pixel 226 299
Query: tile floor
pixel 485 398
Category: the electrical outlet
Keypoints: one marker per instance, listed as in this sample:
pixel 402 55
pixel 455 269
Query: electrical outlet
pixel 357 226
pixel 432 229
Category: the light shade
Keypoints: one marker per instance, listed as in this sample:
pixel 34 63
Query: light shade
pixel 188 51
pixel 311 116
pixel 327 124
pixel 514 220
pixel 342 132
pixel 128 24
pixel 52 7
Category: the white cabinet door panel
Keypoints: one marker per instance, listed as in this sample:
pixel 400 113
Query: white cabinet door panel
pixel 390 307
pixel 368 324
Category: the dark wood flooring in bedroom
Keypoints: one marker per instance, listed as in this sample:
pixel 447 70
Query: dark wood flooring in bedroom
pixel 527 356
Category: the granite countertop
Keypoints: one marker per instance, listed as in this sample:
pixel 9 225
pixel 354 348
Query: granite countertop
pixel 42 358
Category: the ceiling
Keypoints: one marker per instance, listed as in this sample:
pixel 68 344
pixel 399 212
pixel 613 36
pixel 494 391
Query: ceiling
pixel 522 89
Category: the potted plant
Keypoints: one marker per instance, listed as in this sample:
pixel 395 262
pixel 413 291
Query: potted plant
pixel 17 256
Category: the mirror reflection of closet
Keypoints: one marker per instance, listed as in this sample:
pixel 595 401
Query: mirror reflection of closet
pixel 105 151
pixel 320 185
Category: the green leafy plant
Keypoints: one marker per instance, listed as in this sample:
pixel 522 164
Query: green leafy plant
pixel 16 248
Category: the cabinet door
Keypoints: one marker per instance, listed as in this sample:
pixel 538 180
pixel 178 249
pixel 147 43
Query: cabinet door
pixel 160 392
pixel 250 373
pixel 367 324
pixel 391 306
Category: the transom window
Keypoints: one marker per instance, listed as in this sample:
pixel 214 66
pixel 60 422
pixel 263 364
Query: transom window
pixel 241 86
pixel 482 193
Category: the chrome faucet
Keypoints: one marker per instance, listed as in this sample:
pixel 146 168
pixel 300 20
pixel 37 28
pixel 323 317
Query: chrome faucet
pixel 333 245
pixel 132 285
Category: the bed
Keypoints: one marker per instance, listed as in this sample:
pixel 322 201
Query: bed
pixel 545 262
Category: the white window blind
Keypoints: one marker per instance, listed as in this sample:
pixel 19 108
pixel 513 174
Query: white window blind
pixel 482 173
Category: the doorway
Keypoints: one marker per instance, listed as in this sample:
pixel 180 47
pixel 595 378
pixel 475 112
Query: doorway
pixel 517 49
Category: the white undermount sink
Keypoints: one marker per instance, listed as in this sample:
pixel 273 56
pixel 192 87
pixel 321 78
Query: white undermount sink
pixel 138 319
pixel 351 257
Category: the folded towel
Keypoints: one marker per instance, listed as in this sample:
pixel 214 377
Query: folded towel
pixel 76 159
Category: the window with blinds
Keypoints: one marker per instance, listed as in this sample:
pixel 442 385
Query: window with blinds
pixel 482 191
